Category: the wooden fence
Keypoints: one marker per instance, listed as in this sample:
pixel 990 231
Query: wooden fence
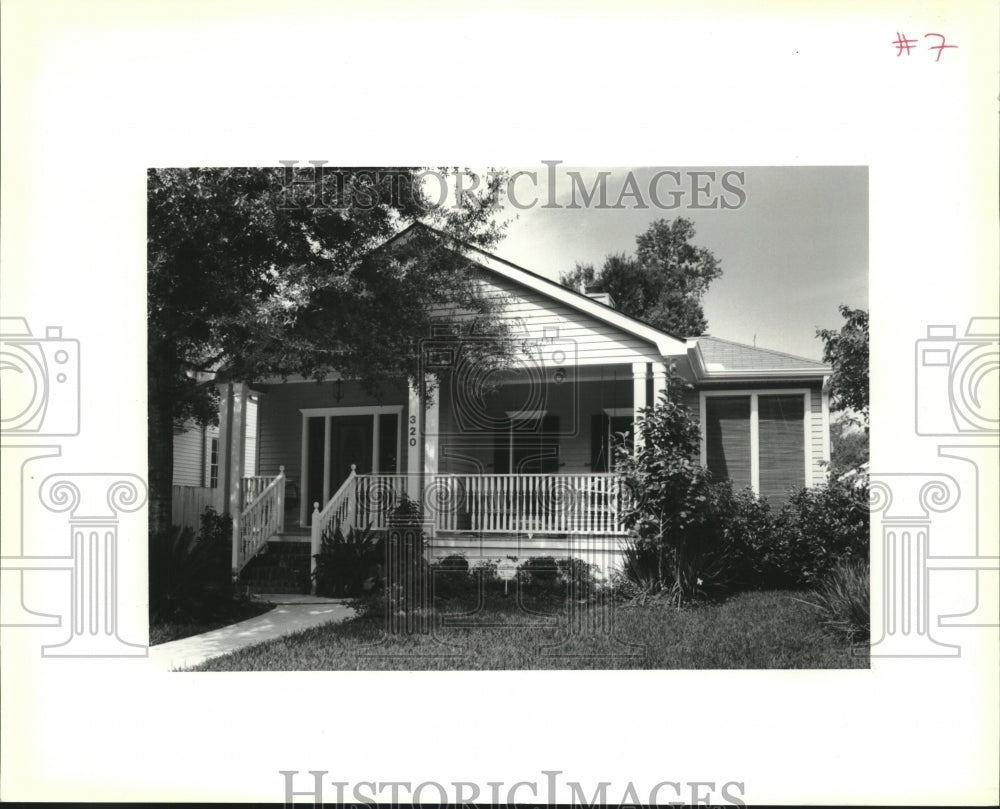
pixel 190 502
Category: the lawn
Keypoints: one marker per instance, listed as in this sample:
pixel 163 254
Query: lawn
pixel 755 630
pixel 214 615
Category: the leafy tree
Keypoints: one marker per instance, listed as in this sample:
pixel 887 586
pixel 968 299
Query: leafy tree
pixel 846 351
pixel 663 283
pixel 253 276
pixel 848 446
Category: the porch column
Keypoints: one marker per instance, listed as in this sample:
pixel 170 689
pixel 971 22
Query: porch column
pixel 236 451
pixel 659 381
pixel 638 399
pixel 305 507
pixel 414 410
pixel 222 474
pixel 432 422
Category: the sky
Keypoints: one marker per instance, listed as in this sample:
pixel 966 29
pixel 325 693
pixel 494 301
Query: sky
pixel 791 253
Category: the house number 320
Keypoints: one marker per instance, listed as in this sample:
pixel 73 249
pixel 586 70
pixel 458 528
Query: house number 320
pixel 413 431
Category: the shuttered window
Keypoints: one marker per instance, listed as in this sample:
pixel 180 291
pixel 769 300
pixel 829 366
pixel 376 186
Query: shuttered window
pixel 782 445
pixel 727 439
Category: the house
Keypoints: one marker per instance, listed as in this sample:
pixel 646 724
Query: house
pixel 509 463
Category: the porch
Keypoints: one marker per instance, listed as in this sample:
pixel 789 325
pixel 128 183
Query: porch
pixel 525 462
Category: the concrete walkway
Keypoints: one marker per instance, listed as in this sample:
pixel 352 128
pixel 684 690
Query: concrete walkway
pixel 292 613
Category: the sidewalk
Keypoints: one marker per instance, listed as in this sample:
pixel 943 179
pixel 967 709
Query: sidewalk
pixel 293 613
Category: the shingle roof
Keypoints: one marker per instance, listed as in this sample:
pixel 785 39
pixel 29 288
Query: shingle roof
pixel 725 356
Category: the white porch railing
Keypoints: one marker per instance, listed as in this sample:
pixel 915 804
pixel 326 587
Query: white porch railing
pixel 252 487
pixel 533 503
pixel 262 516
pixel 339 510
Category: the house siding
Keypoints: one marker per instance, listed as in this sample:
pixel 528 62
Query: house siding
pixel 536 316
pixel 250 447
pixel 189 456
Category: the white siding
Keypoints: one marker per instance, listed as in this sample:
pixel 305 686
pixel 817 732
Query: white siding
pixel 250 448
pixel 189 455
pixel 588 341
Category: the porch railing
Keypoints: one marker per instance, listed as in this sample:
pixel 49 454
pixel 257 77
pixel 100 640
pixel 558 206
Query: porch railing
pixel 251 488
pixel 532 503
pixel 262 516
pixel 339 510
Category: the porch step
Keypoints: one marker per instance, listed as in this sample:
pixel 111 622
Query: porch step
pixel 282 567
pixel 292 534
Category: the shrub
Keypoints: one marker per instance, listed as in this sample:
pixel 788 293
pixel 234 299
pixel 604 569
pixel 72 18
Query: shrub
pixel 668 511
pixel 451 577
pixel 348 566
pixel 188 571
pixel 538 573
pixel 797 545
pixel 817 529
pixel 568 577
pixel 842 599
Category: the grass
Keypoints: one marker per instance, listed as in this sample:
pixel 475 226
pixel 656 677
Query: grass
pixel 757 630
pixel 213 614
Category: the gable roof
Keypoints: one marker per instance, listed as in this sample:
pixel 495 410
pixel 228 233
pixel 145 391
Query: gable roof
pixel 715 358
pixel 667 344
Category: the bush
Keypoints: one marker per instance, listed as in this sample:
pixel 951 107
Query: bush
pixel 842 599
pixel 819 528
pixel 188 571
pixel 452 577
pixel 736 541
pixel 669 512
pixel 348 566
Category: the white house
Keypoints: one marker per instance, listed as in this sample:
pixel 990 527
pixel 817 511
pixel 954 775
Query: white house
pixel 517 467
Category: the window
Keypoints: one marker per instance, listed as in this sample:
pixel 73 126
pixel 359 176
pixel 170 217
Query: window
pixel 604 433
pixel 727 439
pixel 757 440
pixel 529 444
pixel 213 464
pixel 782 445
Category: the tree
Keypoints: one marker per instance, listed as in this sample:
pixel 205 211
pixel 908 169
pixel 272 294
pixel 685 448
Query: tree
pixel 251 275
pixel 848 446
pixel 846 351
pixel 663 284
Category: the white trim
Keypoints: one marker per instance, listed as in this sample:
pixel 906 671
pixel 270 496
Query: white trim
pixel 304 504
pixel 825 410
pixel 525 415
pixel 640 372
pixel 665 344
pixel 413 436
pixel 754 394
pixel 328 414
pixel 361 410
pixel 327 457
pixel 618 412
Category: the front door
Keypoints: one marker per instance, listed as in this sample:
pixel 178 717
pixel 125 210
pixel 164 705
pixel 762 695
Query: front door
pixel 334 443
pixel 350 443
